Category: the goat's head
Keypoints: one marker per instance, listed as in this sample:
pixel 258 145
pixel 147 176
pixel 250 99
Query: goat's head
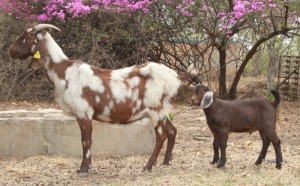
pixel 24 46
pixel 202 96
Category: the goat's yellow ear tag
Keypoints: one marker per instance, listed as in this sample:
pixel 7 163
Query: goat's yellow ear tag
pixel 37 55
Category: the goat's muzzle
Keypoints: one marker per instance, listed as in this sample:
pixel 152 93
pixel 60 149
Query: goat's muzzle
pixel 194 102
pixel 16 54
pixel 13 54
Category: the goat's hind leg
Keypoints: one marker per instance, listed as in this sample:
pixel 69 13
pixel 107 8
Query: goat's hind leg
pixel 277 147
pixel 161 136
pixel 264 150
pixel 86 139
pixel 171 135
pixel 279 159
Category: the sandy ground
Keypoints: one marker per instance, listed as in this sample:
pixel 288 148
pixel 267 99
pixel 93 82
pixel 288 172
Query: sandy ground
pixel 191 157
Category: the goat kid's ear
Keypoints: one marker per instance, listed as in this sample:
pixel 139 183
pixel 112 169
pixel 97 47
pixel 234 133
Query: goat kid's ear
pixel 207 99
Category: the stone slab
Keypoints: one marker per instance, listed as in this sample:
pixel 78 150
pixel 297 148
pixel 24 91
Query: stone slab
pixel 50 132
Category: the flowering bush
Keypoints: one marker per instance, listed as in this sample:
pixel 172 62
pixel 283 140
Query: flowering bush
pixel 144 26
pixel 229 12
pixel 46 10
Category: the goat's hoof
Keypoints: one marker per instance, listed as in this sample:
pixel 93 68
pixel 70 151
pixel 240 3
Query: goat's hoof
pixel 258 162
pixel 82 173
pixel 167 161
pixel 220 165
pixel 278 166
pixel 214 161
pixel 149 169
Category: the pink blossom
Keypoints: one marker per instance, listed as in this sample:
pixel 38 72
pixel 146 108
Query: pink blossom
pixel 238 14
pixel 43 17
pixel 272 5
pixel 63 9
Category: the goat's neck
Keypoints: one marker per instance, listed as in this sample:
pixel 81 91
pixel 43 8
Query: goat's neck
pixel 49 50
pixel 210 110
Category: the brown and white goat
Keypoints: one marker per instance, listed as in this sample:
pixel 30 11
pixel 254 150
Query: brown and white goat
pixel 246 115
pixel 115 96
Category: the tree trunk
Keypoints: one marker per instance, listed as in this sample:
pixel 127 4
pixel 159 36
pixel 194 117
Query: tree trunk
pixel 272 64
pixel 222 75
pixel 253 50
pixel 256 64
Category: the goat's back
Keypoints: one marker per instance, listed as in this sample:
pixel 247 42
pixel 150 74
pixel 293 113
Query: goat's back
pixel 242 116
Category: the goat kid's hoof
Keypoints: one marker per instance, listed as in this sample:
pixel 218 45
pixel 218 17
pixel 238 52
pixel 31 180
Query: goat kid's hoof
pixel 214 162
pixel 278 166
pixel 220 165
pixel 258 162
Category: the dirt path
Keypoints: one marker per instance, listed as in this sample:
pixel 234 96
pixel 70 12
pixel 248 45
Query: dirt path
pixel 189 167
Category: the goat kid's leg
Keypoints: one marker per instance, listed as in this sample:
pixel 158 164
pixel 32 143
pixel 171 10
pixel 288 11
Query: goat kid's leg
pixel 279 159
pixel 264 150
pixel 161 136
pixel 216 146
pixel 171 135
pixel 223 145
pixel 277 147
pixel 86 139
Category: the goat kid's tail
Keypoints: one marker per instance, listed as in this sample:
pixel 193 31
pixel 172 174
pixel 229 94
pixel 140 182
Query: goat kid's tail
pixel 190 72
pixel 277 98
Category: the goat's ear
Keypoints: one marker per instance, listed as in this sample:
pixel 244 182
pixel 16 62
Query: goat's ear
pixel 34 64
pixel 207 99
pixel 37 61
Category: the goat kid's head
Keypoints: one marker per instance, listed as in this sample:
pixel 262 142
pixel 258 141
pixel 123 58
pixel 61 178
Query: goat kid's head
pixel 202 96
pixel 25 45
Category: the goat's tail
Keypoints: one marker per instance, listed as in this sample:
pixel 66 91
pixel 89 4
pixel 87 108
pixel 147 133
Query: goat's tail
pixel 277 98
pixel 191 71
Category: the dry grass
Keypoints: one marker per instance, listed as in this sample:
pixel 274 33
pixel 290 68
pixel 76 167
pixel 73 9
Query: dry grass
pixel 189 167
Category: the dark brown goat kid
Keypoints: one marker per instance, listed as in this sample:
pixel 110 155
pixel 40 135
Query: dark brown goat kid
pixel 114 96
pixel 246 115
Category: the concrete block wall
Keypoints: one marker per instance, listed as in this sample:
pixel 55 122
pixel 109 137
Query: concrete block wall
pixel 50 132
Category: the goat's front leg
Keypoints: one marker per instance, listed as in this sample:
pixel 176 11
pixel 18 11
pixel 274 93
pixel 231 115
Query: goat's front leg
pixel 216 146
pixel 86 139
pixel 160 139
pixel 223 145
pixel 171 134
